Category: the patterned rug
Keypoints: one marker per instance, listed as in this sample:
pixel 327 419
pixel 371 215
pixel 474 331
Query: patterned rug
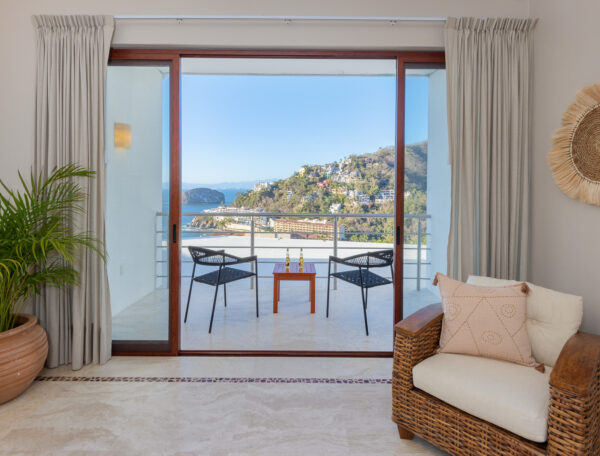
pixel 351 381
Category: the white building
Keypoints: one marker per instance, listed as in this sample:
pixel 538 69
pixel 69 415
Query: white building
pixel 387 193
pixel 384 195
pixel 364 199
pixel 335 207
pixel 262 186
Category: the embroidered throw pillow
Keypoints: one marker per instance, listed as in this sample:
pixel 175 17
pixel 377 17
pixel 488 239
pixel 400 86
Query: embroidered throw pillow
pixel 485 321
pixel 552 317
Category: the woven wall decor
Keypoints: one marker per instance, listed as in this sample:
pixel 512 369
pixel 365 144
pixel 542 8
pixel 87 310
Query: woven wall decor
pixel 575 155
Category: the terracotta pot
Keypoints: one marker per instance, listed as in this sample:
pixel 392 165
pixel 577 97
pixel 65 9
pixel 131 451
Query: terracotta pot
pixel 23 351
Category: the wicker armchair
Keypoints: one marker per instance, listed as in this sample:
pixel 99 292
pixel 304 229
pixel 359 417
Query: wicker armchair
pixel 573 413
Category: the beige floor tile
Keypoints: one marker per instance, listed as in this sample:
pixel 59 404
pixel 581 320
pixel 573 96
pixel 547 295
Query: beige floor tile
pixel 195 366
pixel 221 419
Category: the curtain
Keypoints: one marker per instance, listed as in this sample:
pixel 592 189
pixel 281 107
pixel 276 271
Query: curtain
pixel 488 68
pixel 72 54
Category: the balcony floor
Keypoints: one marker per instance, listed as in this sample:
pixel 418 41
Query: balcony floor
pixel 236 327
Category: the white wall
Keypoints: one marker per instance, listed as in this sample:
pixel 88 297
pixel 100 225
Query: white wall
pixel 17 44
pixel 438 176
pixel 565 246
pixel 133 182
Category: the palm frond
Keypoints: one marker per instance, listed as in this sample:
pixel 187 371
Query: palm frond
pixel 38 242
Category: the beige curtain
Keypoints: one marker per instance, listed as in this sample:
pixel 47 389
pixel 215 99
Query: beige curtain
pixel 72 54
pixel 489 64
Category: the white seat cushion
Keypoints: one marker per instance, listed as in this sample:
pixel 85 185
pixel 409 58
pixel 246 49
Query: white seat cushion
pixel 552 317
pixel 511 396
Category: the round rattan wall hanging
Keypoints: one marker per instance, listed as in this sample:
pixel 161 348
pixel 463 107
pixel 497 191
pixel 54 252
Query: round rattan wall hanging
pixel 575 155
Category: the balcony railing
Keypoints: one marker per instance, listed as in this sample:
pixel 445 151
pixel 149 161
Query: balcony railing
pixel 415 240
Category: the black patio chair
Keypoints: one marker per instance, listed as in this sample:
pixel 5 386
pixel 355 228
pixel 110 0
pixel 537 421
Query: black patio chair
pixel 361 275
pixel 222 276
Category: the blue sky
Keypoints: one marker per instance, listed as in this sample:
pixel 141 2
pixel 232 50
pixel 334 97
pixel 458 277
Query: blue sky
pixel 240 128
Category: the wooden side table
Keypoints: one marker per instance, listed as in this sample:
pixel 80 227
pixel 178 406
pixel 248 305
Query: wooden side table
pixel 279 273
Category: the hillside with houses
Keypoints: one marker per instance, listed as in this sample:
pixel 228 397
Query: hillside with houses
pixel 356 184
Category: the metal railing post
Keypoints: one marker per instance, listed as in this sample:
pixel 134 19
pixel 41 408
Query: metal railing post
pixel 335 248
pixel 157 241
pixel 161 269
pixel 418 254
pixel 252 252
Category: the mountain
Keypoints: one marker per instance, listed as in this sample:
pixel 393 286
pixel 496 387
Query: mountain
pixel 358 183
pixel 415 166
pixel 202 195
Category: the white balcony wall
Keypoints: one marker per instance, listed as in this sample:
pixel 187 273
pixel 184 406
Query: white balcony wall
pixel 133 182
pixel 438 175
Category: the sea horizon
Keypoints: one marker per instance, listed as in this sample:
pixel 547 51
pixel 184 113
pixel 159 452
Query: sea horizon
pixel 229 193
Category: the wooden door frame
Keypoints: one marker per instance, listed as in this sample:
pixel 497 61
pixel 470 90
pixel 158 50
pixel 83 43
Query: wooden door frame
pixel 173 235
pixel 404 60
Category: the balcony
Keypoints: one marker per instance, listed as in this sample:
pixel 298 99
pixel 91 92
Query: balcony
pixel 293 327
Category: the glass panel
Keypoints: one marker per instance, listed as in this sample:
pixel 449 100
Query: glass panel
pixel 426 186
pixel 307 147
pixel 137 153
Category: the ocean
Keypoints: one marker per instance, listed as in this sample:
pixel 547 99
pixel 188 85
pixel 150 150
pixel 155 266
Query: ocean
pixel 230 195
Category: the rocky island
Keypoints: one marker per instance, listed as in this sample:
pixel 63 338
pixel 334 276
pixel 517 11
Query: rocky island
pixel 202 195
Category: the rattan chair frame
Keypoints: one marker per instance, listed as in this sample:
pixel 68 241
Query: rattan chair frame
pixel 574 410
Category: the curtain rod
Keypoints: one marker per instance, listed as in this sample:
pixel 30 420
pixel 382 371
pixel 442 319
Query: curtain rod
pixel 286 19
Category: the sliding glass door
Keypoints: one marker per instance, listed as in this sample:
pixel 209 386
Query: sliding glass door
pixel 278 150
pixel 427 177
pixel 288 156
pixel 137 241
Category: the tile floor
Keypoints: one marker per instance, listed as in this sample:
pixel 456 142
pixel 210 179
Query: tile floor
pixel 220 417
pixel 236 327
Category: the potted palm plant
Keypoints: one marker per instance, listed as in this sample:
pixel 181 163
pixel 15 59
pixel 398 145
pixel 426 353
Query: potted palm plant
pixel 39 247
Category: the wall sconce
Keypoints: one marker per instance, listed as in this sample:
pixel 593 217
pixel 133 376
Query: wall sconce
pixel 122 136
